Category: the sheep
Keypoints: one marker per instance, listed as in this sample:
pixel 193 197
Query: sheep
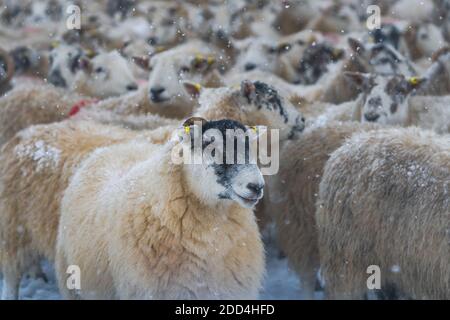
pixel 293 193
pixel 423 40
pixel 105 75
pixel 30 62
pixel 383 200
pixel 437 75
pixel 191 61
pixel 34 162
pixel 388 100
pixel 201 239
pixel 33 104
pixel 266 55
pixel 28 152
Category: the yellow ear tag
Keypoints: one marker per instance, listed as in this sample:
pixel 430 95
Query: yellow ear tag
pixel 211 60
pixel 413 81
pixel 55 44
pixel 187 129
pixel 199 57
pixel 198 87
pixel 255 129
pixel 90 53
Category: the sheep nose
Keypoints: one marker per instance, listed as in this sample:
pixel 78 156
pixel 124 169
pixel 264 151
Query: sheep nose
pixel 155 93
pixel 157 90
pixel 132 87
pixel 371 117
pixel 255 188
pixel 249 66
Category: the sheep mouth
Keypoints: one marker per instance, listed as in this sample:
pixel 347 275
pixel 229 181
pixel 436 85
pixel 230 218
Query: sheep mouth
pixel 247 201
pixel 158 99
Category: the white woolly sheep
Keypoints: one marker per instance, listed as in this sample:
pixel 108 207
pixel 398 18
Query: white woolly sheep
pixel 35 162
pixel 192 61
pixel 293 194
pixel 186 240
pixel 105 75
pixel 384 201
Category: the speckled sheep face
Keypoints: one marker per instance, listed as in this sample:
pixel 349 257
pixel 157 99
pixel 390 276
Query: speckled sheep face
pixel 315 62
pixel 385 98
pixel 381 58
pixel 168 19
pixel 227 170
pixel 169 69
pixel 109 74
pixel 258 97
pixel 64 65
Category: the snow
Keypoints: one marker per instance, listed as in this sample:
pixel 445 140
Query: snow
pixel 44 155
pixel 281 282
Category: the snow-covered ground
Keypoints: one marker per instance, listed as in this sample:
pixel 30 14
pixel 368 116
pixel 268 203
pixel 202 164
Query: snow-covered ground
pixel 280 283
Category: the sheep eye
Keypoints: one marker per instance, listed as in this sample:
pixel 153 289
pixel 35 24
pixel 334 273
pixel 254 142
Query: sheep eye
pixel 272 50
pixel 99 70
pixel 424 36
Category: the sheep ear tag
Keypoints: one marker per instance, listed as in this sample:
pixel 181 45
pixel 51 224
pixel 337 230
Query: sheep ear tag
pixel 256 131
pixel 414 81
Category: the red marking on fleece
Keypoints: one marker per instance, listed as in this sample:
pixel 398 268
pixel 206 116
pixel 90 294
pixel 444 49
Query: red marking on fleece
pixel 81 104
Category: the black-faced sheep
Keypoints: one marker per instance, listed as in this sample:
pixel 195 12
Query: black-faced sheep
pixel 189 239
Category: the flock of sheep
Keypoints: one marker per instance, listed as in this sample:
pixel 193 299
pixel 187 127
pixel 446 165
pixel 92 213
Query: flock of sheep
pixel 89 118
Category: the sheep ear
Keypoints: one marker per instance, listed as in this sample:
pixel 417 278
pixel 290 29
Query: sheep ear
pixel 143 62
pixel 361 80
pixel 356 46
pixel 191 129
pixel 248 89
pixel 193 89
pixel 256 132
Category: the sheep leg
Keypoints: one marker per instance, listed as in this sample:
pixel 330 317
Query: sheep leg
pixel 36 272
pixel 308 280
pixel 11 282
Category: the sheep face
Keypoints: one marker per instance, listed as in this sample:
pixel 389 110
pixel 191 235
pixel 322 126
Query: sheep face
pixel 385 98
pixel 167 19
pixel 108 74
pixel 315 61
pixel 381 58
pixel 25 59
pixel 226 170
pixel 255 101
pixel 429 39
pixel 259 53
pixel 171 68
pixel 263 101
pixel 64 65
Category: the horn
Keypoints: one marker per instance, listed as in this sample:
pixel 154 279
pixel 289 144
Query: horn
pixel 8 60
